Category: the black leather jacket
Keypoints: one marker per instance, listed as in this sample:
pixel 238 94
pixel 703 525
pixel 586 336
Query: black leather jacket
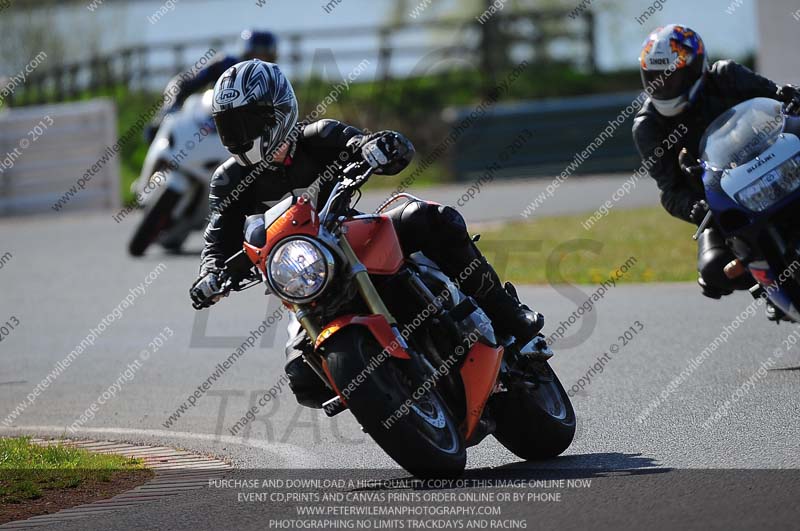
pixel 727 84
pixel 238 191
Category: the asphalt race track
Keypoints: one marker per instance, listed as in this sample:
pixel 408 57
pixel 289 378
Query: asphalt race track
pixel 506 200
pixel 68 272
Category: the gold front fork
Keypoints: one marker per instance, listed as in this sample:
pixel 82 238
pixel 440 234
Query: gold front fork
pixel 309 325
pixel 364 284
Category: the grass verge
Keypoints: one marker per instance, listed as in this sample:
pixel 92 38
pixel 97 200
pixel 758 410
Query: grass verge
pixel 38 479
pixel 558 249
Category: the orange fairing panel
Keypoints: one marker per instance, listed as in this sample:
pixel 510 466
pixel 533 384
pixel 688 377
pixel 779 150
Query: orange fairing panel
pixel 299 219
pixel 256 255
pixel 376 244
pixel 479 374
pixel 377 325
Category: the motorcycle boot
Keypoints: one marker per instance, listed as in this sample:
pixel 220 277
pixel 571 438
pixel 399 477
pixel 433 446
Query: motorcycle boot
pixel 500 302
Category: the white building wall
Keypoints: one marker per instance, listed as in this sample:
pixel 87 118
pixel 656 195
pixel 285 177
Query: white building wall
pixel 778 54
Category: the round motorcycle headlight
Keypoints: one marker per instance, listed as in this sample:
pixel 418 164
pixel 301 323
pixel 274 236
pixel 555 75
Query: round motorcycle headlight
pixel 299 269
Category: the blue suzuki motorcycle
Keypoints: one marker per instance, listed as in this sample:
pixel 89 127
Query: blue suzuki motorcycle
pixel 751 156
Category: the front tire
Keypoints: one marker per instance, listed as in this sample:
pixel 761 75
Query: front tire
pixel 426 440
pixel 535 418
pixel 157 218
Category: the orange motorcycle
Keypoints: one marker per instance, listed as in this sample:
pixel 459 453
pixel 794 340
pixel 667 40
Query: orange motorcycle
pixel 415 360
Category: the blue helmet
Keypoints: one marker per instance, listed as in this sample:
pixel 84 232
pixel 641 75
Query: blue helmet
pixel 261 45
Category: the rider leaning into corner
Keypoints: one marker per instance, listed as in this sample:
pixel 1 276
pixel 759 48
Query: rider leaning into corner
pixel 687 96
pixel 256 113
pixel 255 44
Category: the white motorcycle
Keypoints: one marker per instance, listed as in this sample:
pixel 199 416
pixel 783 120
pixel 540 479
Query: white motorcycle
pixel 173 185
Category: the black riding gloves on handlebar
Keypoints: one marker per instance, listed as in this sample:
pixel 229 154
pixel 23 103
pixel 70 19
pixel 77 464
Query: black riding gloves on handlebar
pixel 690 165
pixel 387 152
pixel 203 289
pixel 699 211
pixel 790 95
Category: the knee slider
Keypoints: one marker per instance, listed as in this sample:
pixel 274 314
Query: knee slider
pixel 449 224
pixel 432 227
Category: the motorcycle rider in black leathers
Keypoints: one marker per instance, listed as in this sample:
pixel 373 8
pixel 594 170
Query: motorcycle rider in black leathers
pixel 255 110
pixel 255 44
pixel 686 95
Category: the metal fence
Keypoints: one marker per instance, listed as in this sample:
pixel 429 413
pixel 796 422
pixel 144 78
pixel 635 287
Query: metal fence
pixel 537 36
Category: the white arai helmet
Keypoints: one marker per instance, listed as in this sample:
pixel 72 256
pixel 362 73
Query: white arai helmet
pixel 254 109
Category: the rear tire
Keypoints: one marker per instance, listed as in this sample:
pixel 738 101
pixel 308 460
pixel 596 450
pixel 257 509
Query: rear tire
pixel 157 218
pixel 535 418
pixel 426 440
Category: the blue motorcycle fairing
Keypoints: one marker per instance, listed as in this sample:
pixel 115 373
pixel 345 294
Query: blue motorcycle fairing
pixel 730 159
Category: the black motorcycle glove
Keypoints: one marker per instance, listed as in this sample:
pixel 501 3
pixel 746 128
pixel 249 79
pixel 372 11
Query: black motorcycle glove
pixel 387 152
pixel 699 211
pixel 203 288
pixel 690 165
pixel 790 95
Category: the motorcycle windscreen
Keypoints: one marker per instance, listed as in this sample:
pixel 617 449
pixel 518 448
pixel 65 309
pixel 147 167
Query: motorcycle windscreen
pixel 742 133
pixel 376 244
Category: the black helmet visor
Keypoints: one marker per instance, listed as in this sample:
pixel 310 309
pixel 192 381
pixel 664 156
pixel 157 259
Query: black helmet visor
pixel 668 84
pixel 238 127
